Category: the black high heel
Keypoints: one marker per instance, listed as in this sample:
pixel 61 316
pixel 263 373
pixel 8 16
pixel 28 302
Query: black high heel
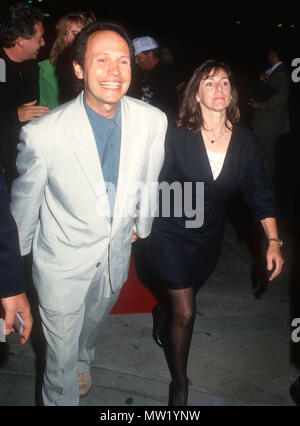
pixel 157 326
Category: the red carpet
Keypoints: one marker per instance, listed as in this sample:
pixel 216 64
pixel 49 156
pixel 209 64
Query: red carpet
pixel 134 297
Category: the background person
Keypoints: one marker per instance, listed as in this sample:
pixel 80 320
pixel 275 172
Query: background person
pixel 21 37
pixel 271 116
pixel 155 81
pixel 56 78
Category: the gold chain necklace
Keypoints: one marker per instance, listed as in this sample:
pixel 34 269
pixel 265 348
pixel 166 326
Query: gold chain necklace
pixel 216 139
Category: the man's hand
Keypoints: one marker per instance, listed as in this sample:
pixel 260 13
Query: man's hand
pixel 133 237
pixel 263 76
pixel 30 111
pixel 254 104
pixel 12 305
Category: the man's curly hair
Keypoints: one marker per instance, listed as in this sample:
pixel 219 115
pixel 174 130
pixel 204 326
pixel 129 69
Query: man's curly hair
pixel 16 21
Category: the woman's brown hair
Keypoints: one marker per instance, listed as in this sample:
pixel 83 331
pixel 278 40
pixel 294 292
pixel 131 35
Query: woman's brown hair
pixel 190 115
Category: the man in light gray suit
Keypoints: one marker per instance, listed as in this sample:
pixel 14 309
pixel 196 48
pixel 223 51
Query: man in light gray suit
pixel 83 169
pixel 271 117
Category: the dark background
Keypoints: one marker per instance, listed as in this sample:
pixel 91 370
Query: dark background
pixel 196 30
pixel 237 33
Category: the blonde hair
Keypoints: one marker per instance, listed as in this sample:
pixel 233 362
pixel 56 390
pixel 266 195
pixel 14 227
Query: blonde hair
pixel 81 18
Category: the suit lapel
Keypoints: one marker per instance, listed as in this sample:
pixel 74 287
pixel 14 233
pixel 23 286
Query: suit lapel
pixel 132 151
pixel 87 153
pixel 125 155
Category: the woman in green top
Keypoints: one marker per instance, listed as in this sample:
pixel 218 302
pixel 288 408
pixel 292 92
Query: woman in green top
pixel 67 28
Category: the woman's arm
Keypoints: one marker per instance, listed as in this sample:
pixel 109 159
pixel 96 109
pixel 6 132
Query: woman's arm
pixel 273 253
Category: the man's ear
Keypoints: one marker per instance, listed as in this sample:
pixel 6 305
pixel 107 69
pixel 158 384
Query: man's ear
pixel 19 42
pixel 78 70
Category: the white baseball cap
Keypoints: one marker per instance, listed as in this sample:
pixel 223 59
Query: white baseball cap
pixel 141 44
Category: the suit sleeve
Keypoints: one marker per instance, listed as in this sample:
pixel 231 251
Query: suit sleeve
pixel 257 183
pixel 281 94
pixel 12 275
pixel 10 128
pixel 148 199
pixel 28 189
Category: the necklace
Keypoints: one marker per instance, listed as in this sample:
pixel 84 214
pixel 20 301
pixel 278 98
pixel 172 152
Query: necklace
pixel 216 139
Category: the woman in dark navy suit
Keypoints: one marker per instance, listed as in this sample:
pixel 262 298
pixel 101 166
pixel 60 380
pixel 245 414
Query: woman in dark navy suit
pixel 207 146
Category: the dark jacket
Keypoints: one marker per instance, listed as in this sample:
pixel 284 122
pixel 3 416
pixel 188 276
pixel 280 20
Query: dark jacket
pixel 156 87
pixel 184 255
pixel 12 275
pixel 272 118
pixel 21 86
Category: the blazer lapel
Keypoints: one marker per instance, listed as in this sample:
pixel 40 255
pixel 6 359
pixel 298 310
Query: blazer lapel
pixel 87 154
pixel 129 154
pixel 206 163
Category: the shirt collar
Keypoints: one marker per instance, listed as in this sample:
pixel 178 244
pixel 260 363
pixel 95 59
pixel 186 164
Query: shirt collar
pixel 270 70
pixel 116 119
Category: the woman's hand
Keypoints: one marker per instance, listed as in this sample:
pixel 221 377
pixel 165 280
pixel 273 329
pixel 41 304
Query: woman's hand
pixel 274 259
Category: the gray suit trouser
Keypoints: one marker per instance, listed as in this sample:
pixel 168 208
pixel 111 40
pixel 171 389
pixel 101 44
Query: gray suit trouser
pixel 71 341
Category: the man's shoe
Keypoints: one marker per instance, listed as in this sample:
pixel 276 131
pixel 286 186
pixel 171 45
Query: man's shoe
pixel 295 391
pixel 85 383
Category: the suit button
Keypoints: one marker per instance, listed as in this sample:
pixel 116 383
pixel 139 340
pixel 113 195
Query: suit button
pixel 98 264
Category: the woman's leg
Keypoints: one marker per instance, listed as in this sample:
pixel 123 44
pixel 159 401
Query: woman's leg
pixel 177 340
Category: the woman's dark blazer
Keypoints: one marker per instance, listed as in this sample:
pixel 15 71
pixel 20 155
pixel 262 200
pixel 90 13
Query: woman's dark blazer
pixel 189 255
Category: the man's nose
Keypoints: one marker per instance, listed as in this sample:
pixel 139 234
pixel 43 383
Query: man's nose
pixel 114 67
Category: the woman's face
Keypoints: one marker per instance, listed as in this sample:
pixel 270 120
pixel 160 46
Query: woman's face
pixel 70 33
pixel 214 91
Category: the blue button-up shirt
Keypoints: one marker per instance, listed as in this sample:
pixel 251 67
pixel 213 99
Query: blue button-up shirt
pixel 107 133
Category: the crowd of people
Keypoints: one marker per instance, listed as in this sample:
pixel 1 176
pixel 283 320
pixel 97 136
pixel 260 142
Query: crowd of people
pixel 73 146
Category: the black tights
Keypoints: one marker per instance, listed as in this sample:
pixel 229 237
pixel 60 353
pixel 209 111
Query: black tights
pixel 177 336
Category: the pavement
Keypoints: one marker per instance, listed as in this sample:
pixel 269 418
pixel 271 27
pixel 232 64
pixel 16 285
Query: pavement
pixel 241 352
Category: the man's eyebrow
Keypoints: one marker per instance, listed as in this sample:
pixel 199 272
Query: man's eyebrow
pixel 108 53
pixel 213 76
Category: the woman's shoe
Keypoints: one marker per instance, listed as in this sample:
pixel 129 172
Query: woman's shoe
pixel 157 325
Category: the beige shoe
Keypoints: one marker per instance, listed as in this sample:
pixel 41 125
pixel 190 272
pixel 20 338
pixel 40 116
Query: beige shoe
pixel 85 383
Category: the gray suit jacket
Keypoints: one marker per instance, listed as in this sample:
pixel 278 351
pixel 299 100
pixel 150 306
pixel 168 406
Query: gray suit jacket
pixel 60 203
pixel 272 118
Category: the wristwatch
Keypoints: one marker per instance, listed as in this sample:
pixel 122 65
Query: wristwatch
pixel 278 240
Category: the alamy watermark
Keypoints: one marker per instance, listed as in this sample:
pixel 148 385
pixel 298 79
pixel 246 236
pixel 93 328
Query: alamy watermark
pixel 177 199
pixel 296 331
pixel 296 71
pixel 2 71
